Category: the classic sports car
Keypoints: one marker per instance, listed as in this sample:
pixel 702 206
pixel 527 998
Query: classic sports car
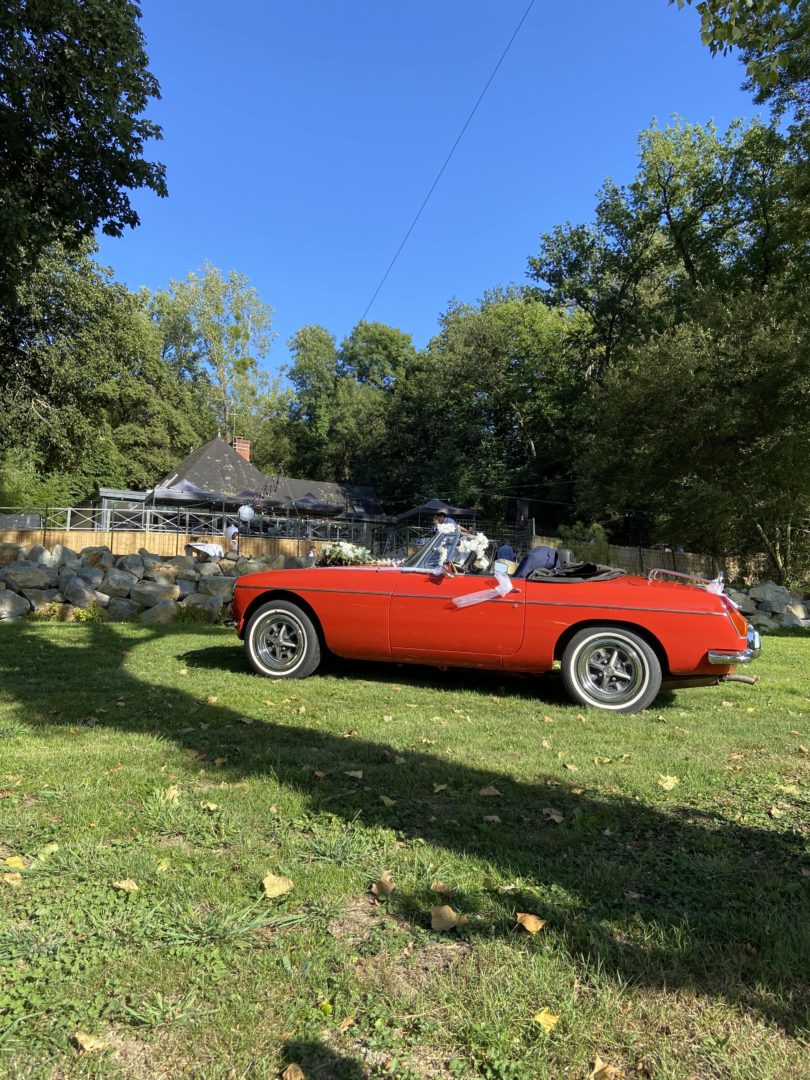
pixel 618 637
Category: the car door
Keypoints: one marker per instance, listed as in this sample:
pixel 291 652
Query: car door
pixel 425 625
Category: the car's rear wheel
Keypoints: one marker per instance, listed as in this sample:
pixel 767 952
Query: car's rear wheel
pixel 608 667
pixel 281 641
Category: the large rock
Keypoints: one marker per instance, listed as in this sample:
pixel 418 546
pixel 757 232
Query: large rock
pixel 64 556
pixel 150 593
pixel 25 575
pixel 231 555
pixel 80 593
pixel 186 587
pixel 10 553
pixel 221 587
pixel 162 612
pixel 772 607
pixel 251 566
pixel 185 565
pixel 40 597
pixel 97 556
pixel 763 621
pixel 769 590
pixel 788 618
pixel 209 569
pixel 743 602
pixel 133 564
pixel 12 606
pixel 117 583
pixel 121 610
pixel 38 554
pixel 93 575
pixel 797 608
pixel 209 605
pixel 161 572
pixel 228 568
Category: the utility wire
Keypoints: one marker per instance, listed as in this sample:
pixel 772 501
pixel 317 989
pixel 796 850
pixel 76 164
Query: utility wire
pixel 447 160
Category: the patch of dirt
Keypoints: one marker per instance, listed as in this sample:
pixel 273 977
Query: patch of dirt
pixel 360 918
pixel 410 973
pixel 139 1060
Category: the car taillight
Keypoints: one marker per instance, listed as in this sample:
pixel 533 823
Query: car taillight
pixel 738 620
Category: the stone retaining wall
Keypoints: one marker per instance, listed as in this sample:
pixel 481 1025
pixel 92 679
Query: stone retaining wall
pixel 144 586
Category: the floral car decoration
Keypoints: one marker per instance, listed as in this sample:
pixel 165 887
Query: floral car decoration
pixel 617 638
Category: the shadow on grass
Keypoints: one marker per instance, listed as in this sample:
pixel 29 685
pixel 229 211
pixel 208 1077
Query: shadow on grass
pixel 659 898
pixel 319 1062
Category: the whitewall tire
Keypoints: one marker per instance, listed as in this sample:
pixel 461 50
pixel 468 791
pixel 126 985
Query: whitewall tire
pixel 281 641
pixel 609 667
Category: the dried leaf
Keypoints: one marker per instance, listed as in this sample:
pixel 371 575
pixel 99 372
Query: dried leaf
pixel 319 775
pixel 191 752
pixel 14 880
pixel 437 788
pixel 356 774
pixel 493 819
pixel 245 720
pixel 302 709
pixel 346 1022
pixel 351 734
pixel 602 760
pixel 220 761
pixel 212 699
pixel 668 782
pixel 570 767
pixel 426 741
pixel 388 719
pixel 802 749
pixel 442 918
pixel 603 1071
pixel 547 1020
pixel 384 886
pixel 209 806
pixel 529 922
pixel 89 1044
pixel 386 801
pixel 293 1072
pixel 126 885
pixel 775 812
pixel 399 760
pixel 172 795
pixel 276 886
pixel 550 814
pixel 17 862
pixel 489 791
pixel 548 719
pixel 441 888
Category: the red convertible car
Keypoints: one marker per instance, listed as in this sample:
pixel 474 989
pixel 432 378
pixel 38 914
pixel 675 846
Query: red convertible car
pixel 618 638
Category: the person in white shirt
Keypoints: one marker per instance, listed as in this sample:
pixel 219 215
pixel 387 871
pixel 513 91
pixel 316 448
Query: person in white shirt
pixel 232 532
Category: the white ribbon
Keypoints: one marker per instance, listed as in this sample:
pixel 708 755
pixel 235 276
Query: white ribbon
pixel 503 588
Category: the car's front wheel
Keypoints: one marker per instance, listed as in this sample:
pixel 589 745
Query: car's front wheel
pixel 607 667
pixel 281 641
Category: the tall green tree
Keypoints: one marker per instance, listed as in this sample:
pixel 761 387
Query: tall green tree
pixel 215 330
pixel 74 85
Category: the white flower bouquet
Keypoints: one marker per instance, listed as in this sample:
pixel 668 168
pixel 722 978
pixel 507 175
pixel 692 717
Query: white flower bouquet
pixel 342 553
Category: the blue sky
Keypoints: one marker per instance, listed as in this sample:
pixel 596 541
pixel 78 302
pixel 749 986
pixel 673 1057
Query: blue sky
pixel 301 137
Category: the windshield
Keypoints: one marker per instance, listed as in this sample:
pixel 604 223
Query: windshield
pixel 436 551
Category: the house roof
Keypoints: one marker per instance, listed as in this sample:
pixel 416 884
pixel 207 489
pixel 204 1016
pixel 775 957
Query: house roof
pixel 215 467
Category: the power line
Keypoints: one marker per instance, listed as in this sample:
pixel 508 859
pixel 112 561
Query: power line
pixel 447 160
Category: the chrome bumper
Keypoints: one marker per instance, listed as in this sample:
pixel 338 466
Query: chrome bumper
pixel 745 657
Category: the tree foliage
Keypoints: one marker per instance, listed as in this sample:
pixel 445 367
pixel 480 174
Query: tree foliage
pixel 74 84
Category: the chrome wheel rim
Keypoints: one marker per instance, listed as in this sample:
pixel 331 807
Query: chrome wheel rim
pixel 280 641
pixel 611 671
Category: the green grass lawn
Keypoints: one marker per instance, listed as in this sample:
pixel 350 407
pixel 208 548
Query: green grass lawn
pixel 677 916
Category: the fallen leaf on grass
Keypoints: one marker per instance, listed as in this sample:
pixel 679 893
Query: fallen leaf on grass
pixel 245 720
pixel 570 768
pixel 489 791
pixel 775 812
pixel 220 761
pixel 89 1044
pixel 806 871
pixel 426 741
pixel 399 760
pixel 603 1071
pixel 191 753
pixel 212 699
pixel 602 760
pixel 437 788
pixel 17 862
pixel 386 801
pixel 388 719
pixel 14 880
pixel 319 775
pixel 442 918
pixel 384 886
pixel 789 789
pixel 547 1020
pixel 548 719
pixel 276 886
pixel 492 819
pixel 345 1023
pixel 802 749
pixel 293 1072
pixel 531 923
pixel 668 782
pixel 545 744
pixel 209 806
pixel 126 885
pixel 356 774
pixel 302 709
pixel 352 734
pixel 550 814
pixel 441 888
pixel 172 795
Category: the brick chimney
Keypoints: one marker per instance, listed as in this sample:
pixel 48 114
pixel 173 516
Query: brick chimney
pixel 242 447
